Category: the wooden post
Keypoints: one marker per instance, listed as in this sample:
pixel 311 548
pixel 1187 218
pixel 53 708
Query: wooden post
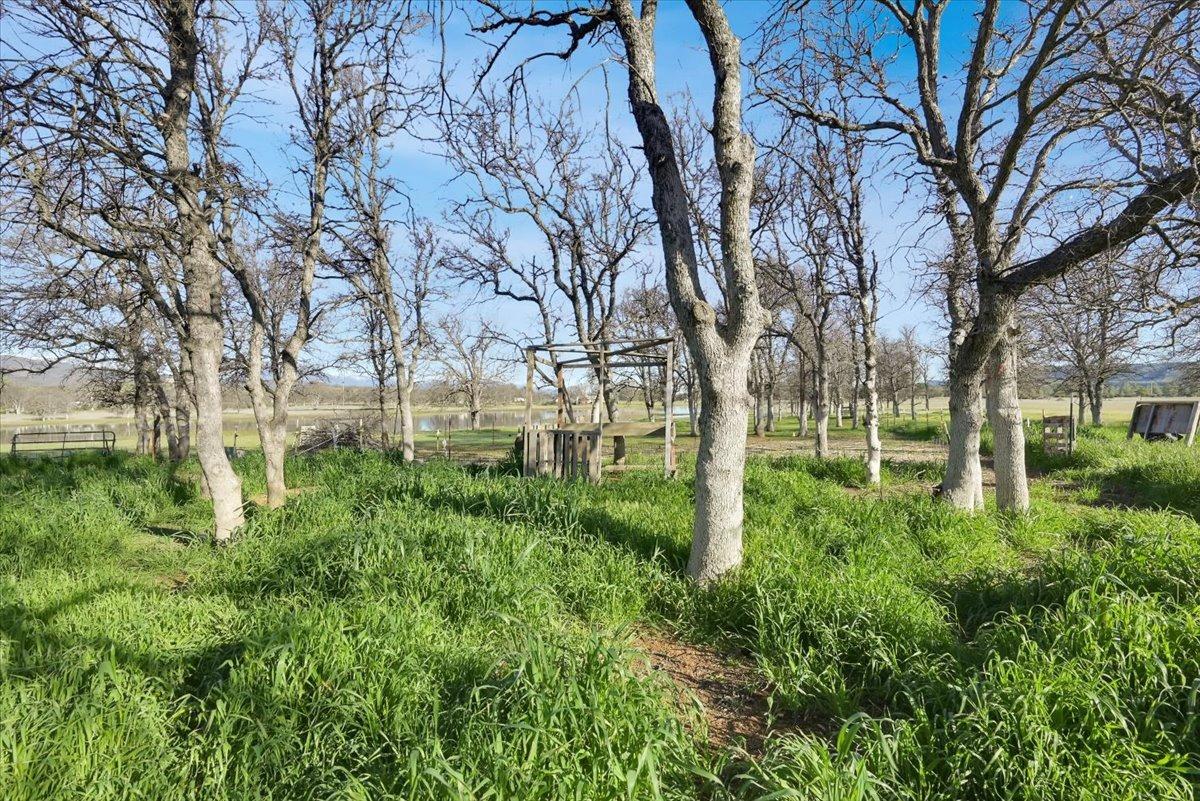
pixel 1191 437
pixel 527 469
pixel 669 413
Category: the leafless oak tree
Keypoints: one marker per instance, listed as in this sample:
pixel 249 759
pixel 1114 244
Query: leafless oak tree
pixel 112 90
pixel 720 345
pixel 1041 78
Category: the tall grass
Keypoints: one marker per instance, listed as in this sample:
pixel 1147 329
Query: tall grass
pixel 449 632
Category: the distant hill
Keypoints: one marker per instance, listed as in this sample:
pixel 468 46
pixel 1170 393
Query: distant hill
pixel 16 372
pixel 1137 374
pixel 1155 372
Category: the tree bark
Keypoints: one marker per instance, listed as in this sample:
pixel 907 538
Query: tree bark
pixel 408 434
pixel 821 410
pixel 760 415
pixel 274 453
pixel 866 305
pixel 720 471
pixel 202 273
pixel 962 486
pixel 1097 404
pixel 1004 413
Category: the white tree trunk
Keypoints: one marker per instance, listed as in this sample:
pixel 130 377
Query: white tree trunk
pixel 821 410
pixel 1004 413
pixel 223 484
pixel 720 468
pixel 274 447
pixel 408 440
pixel 963 484
pixel 870 394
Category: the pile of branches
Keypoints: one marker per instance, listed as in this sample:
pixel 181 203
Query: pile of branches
pixel 359 433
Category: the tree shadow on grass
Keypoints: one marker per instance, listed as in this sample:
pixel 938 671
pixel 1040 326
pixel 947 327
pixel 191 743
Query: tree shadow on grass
pixel 976 599
pixel 1150 488
pixel 593 520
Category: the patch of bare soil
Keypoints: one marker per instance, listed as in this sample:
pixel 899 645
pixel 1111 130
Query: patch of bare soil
pixel 728 688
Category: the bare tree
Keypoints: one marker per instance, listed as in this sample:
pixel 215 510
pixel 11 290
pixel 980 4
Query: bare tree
pixel 468 365
pixel 385 95
pixel 112 91
pixel 577 188
pixel 720 345
pixel 994 149
pixel 645 313
pixel 1089 323
pixel 797 257
pixel 914 360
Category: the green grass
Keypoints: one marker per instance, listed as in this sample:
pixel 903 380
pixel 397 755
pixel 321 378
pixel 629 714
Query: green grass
pixel 454 632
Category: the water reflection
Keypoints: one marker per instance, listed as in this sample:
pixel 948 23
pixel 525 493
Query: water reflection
pixel 426 422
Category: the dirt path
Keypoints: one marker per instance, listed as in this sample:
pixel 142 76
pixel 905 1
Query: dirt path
pixel 730 691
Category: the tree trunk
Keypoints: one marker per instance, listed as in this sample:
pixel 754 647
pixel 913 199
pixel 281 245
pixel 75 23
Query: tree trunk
pixel 1097 401
pixel 1004 413
pixel 771 409
pixel 408 433
pixel 1080 407
pixel 802 416
pixel 760 416
pixel 610 405
pixel 870 393
pixel 381 399
pixel 963 484
pixel 274 446
pixel 856 387
pixel 720 469
pixel 821 411
pixel 167 420
pixel 223 484
pixel 143 420
pixel 201 273
pixel 720 354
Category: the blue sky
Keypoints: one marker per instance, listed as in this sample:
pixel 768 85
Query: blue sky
pixel 261 133
pixel 682 68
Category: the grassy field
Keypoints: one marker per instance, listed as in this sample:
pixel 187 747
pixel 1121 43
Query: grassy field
pixel 240 429
pixel 447 631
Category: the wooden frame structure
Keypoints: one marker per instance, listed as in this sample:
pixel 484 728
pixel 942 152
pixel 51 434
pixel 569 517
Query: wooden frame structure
pixel 573 450
pixel 1058 434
